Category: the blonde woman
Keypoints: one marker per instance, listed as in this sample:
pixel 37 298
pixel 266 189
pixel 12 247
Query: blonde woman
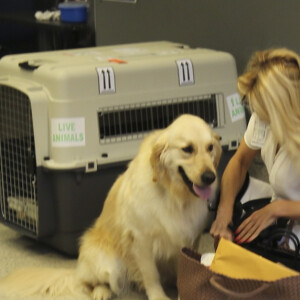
pixel 271 88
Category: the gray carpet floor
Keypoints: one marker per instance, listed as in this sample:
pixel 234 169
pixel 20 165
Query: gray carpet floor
pixel 18 251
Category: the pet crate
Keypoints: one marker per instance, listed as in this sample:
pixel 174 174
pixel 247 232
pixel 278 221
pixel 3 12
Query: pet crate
pixel 71 120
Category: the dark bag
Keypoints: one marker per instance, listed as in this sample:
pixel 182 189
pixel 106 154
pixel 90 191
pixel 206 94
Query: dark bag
pixel 272 242
pixel 274 247
pixel 197 282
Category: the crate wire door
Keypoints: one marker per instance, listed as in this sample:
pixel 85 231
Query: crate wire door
pixel 124 123
pixel 18 188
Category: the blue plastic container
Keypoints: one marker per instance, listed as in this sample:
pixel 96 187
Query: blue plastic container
pixel 75 12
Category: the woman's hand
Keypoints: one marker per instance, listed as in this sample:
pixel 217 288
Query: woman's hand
pixel 220 228
pixel 232 181
pixel 256 223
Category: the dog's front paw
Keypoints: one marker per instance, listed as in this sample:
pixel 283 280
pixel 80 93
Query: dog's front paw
pixel 101 292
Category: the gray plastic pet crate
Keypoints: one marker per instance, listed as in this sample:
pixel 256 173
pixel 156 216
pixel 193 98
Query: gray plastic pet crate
pixel 71 120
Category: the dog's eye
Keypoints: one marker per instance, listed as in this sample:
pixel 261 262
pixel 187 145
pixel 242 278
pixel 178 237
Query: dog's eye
pixel 210 147
pixel 188 149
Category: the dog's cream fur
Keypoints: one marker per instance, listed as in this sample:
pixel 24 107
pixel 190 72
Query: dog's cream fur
pixel 148 216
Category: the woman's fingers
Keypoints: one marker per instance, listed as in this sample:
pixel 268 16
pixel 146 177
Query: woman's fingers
pixel 253 226
pixel 221 230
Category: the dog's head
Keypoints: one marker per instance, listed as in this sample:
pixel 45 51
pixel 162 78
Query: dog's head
pixel 185 157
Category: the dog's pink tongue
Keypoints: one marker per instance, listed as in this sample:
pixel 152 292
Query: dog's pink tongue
pixel 202 192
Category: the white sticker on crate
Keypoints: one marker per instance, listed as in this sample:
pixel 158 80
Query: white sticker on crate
pixel 185 72
pixel 236 109
pixel 106 80
pixel 68 132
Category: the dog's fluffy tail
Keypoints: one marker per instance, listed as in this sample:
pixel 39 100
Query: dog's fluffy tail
pixel 40 281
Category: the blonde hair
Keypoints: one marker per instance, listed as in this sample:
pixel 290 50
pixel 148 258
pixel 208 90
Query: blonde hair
pixel 272 87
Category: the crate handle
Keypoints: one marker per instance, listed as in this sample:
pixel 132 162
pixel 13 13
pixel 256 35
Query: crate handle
pixel 27 66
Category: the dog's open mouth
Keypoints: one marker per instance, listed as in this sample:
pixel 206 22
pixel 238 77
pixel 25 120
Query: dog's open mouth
pixel 203 192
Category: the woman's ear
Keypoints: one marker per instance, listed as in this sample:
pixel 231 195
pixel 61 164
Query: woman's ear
pixel 156 160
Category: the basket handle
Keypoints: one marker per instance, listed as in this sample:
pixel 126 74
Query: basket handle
pixel 218 285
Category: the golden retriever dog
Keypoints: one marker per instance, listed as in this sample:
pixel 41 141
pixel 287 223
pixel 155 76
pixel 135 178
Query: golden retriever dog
pixel 155 208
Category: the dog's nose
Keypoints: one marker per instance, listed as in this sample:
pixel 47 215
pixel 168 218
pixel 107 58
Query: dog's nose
pixel 208 177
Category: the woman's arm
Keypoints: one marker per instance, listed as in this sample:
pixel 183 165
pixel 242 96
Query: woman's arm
pixel 232 181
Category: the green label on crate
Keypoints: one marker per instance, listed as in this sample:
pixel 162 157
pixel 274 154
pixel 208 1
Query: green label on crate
pixel 68 132
pixel 236 109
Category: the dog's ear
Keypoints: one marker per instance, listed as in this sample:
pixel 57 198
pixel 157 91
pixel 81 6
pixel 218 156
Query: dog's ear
pixel 218 149
pixel 156 159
